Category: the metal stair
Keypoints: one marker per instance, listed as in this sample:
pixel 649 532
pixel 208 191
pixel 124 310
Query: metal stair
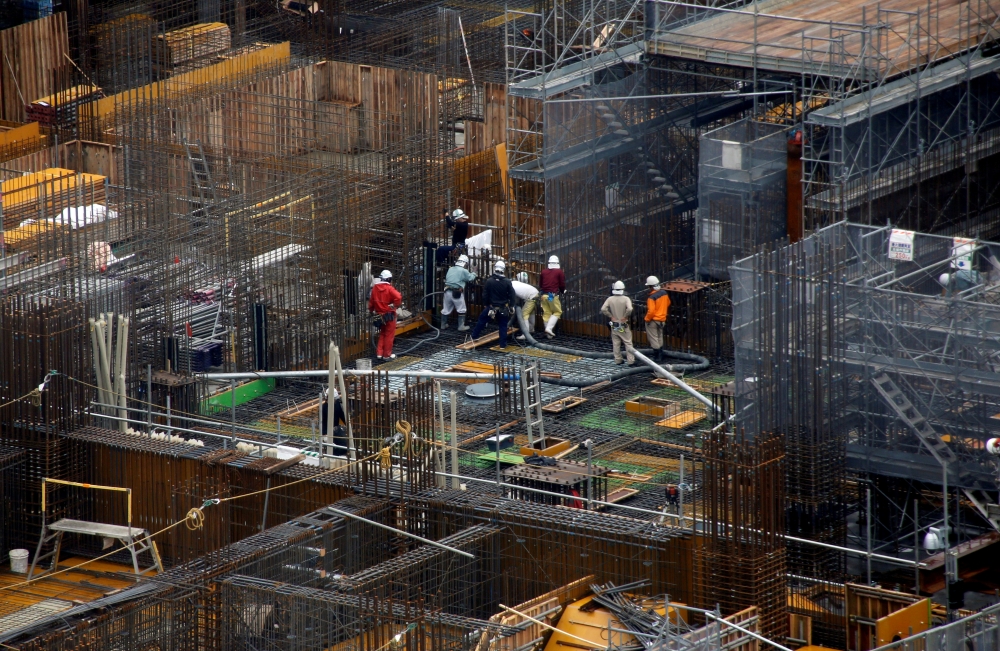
pixel 907 413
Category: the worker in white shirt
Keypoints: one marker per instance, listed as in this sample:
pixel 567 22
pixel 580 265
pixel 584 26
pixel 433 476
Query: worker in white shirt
pixel 527 299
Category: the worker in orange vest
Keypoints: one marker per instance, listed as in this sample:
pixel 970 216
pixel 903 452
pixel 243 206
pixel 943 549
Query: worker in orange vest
pixel 657 305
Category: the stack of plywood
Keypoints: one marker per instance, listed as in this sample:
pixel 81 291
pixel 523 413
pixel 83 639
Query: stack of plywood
pixel 45 194
pixel 21 141
pixel 190 43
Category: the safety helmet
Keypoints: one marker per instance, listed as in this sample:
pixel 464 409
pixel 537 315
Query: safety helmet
pixel 553 262
pixel 500 266
pixel 463 260
pixel 618 288
pixel 944 279
pixel 385 275
pixel 652 281
pixel 458 213
pixel 522 277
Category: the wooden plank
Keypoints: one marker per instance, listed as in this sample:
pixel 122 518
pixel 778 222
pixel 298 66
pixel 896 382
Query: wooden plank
pixel 485 339
pixel 284 463
pixel 620 494
pixel 618 474
pixel 561 405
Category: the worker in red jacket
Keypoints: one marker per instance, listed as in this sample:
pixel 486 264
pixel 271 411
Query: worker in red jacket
pixel 383 302
pixel 552 285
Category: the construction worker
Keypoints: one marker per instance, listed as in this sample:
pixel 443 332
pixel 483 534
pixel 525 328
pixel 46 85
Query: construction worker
pixel 498 301
pixel 339 423
pixel 454 292
pixel 461 225
pixel 552 283
pixel 383 302
pixel 657 305
pixel 527 299
pixel 618 308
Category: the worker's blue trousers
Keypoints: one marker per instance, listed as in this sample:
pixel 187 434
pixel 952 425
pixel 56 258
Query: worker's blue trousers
pixel 484 318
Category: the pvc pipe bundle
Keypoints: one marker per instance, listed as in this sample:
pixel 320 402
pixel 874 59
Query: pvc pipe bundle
pixel 110 358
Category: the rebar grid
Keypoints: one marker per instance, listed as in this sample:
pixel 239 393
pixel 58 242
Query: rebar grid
pixel 741 559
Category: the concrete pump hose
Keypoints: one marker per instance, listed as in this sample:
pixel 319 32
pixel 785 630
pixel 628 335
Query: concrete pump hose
pixel 698 362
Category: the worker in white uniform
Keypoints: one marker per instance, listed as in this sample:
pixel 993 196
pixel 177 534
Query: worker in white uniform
pixel 527 300
pixel 618 308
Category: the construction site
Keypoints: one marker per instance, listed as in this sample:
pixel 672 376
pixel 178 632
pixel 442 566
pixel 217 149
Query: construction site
pixel 210 441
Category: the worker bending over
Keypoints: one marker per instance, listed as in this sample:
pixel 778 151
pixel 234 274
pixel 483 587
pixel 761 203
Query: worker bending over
pixel 498 301
pixel 657 305
pixel 552 283
pixel 454 292
pixel 527 299
pixel 383 302
pixel 339 423
pixel 618 308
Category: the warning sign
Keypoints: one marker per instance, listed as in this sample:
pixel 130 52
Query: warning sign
pixel 961 252
pixel 901 245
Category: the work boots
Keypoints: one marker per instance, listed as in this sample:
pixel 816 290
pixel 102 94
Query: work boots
pixel 461 323
pixel 550 326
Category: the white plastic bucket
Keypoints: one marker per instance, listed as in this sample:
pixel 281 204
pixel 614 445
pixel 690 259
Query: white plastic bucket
pixel 19 561
pixel 363 364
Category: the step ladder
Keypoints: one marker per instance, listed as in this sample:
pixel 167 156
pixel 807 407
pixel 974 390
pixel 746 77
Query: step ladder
pixel 134 539
pixel 531 395
pixel 907 413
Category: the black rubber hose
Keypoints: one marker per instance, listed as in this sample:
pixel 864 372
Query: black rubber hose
pixel 699 362
pixel 563 382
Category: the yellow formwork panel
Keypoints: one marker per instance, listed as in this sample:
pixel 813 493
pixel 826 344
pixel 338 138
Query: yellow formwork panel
pixel 217 72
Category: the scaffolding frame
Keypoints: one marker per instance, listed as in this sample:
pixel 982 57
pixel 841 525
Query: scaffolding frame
pixel 868 92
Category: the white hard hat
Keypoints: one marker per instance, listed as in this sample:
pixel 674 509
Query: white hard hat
pixel 944 279
pixel 458 213
pixel 385 275
pixel 618 288
pixel 652 281
pixel 553 262
pixel 522 277
pixel 500 266
pixel 462 261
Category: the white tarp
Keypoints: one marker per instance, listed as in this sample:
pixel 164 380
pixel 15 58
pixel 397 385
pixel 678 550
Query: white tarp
pixel 80 216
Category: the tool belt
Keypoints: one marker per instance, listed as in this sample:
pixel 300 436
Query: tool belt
pixel 499 310
pixel 456 292
pixel 618 327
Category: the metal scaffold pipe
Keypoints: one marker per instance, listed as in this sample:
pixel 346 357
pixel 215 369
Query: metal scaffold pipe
pixel 438 375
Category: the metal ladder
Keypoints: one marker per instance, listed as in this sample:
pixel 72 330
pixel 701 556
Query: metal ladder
pixel 201 175
pixel 933 441
pixel 531 395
